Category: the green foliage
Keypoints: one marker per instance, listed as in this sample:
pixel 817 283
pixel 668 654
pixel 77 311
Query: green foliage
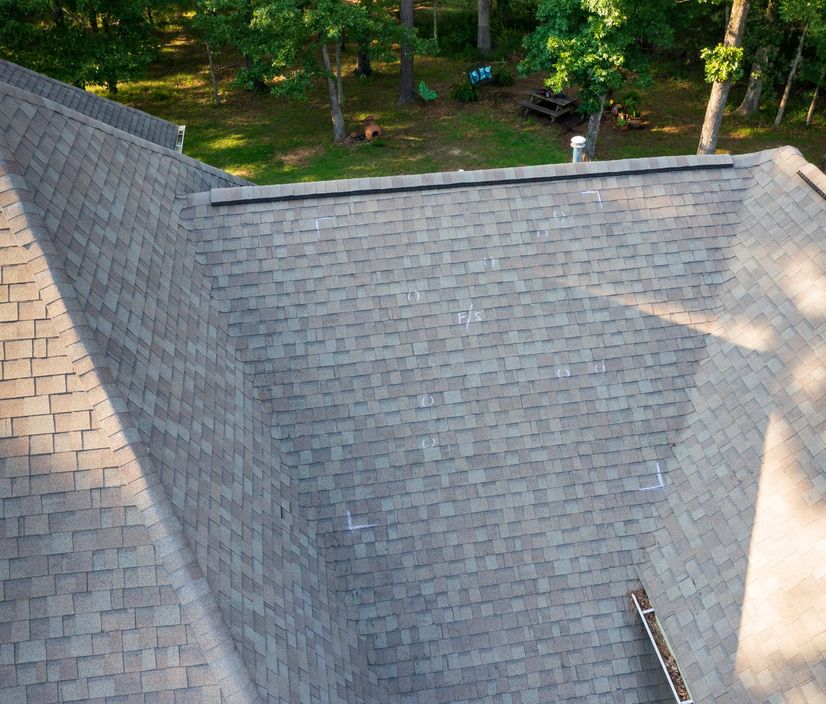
pixel 595 44
pixel 723 63
pixel 465 92
pixel 248 137
pixel 426 93
pixel 100 42
pixel 802 12
pixel 502 76
pixel 457 32
pixel 281 40
pixel 632 104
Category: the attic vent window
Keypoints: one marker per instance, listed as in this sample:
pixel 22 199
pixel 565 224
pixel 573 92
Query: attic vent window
pixel 179 141
pixel 664 653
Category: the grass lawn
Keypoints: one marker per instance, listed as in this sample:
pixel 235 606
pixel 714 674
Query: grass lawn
pixel 267 139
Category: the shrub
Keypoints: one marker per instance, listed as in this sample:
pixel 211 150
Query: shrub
pixel 502 76
pixel 465 92
pixel 632 104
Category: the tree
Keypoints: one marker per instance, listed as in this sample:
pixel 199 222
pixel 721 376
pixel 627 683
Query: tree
pixel 286 43
pixel 596 45
pixel 723 67
pixel 765 34
pixel 407 81
pixel 483 27
pixel 816 70
pixel 434 8
pixel 225 23
pixel 810 113
pixel 805 14
pixel 99 42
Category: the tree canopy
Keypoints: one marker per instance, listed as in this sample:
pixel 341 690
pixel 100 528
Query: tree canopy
pixel 101 42
pixel 288 43
pixel 596 45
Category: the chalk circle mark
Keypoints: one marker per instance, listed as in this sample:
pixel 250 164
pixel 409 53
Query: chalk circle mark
pixel 489 262
pixel 560 214
pixel 426 401
pixel 428 443
pixel 563 372
pixel 413 296
pixel 599 368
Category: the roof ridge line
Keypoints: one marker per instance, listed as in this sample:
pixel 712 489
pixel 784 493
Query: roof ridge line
pixel 446 180
pixel 138 474
pixel 49 104
pixel 75 89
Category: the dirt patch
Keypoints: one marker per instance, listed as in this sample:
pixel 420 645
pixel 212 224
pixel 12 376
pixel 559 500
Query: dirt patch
pixel 300 156
pixel 662 645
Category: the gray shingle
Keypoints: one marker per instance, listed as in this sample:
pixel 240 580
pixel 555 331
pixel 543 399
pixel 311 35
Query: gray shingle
pixel 422 434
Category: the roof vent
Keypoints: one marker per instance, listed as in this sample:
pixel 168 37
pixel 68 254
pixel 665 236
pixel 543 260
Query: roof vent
pixel 577 147
pixel 179 142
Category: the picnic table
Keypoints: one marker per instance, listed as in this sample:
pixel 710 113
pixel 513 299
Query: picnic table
pixel 545 102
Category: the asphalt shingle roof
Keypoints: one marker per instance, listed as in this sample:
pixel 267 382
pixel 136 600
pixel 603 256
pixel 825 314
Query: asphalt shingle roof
pixel 135 122
pixel 423 434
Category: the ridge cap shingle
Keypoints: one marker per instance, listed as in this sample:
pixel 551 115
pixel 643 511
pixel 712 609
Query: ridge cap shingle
pixel 452 179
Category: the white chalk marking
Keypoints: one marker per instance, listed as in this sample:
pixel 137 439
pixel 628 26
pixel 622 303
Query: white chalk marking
pixel 352 526
pixel 560 214
pixel 470 317
pixel 428 443
pixel 413 296
pixel 599 368
pixel 659 485
pixel 562 372
pixel 543 234
pixel 597 193
pixel 426 401
pixel 489 263
pixel 318 222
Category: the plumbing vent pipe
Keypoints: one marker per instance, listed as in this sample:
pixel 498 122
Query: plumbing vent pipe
pixel 577 147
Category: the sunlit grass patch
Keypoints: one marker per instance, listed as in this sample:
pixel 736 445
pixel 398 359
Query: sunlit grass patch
pixel 270 139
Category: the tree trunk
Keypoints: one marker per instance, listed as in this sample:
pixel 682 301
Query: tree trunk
pixel 407 92
pixel 363 65
pixel 751 100
pixel 788 91
pixel 594 120
pixel 335 104
pixel 58 14
pixel 719 91
pixel 215 98
pixel 435 27
pixel 483 27
pixel 257 84
pixel 339 86
pixel 810 115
